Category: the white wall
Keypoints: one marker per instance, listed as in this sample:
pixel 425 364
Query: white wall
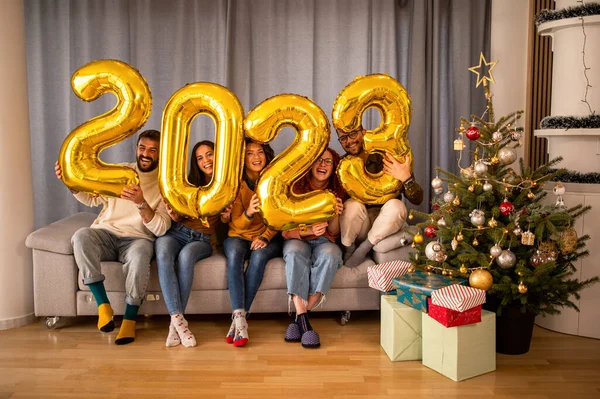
pixel 16 194
pixel 510 23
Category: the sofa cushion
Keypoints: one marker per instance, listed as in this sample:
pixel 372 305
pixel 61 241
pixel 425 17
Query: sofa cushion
pixel 56 237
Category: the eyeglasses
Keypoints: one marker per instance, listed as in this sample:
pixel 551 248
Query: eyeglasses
pixel 351 135
pixel 326 161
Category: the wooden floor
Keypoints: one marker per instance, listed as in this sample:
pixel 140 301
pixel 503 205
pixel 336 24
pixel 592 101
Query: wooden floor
pixel 77 361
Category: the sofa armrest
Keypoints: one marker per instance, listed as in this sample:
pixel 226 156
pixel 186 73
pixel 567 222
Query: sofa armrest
pixel 56 237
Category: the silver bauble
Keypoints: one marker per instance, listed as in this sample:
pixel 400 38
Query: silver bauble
pixel 515 135
pixel 435 251
pixel 495 251
pixel 438 190
pixel 559 189
pixel 480 168
pixel 477 217
pixel 487 186
pixel 517 231
pixel 507 155
pixel 437 182
pixel 442 222
pixel 506 259
pixel 448 197
pixel 497 136
pixel 467 173
pixel 454 244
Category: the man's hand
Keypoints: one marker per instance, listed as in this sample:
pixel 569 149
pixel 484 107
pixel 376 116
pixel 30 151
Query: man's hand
pixel 257 243
pixel 319 229
pixel 134 194
pixel 58 173
pixel 396 169
pixel 253 207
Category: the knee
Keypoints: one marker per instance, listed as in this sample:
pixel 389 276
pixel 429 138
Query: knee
pixel 395 207
pixel 331 251
pixel 81 237
pixel 354 209
pixel 294 249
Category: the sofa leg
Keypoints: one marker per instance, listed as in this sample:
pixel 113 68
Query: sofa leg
pixel 345 317
pixel 52 322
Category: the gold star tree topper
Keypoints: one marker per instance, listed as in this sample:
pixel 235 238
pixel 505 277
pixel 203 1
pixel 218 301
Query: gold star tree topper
pixel 481 74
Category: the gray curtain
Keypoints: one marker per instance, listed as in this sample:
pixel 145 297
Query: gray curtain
pixel 257 49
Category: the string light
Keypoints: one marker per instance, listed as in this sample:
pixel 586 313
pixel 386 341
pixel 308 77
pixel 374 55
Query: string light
pixel 585 67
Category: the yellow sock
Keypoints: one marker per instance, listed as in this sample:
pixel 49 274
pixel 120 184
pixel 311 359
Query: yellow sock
pixel 126 333
pixel 105 318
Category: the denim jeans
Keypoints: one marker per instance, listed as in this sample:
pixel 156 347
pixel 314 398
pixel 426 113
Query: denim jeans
pixel 310 266
pixel 187 246
pixel 92 246
pixel 243 287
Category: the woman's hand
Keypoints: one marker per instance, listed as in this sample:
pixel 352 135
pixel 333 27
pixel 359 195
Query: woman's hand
pixel 174 215
pixel 253 207
pixel 339 206
pixel 226 214
pixel 257 243
pixel 319 229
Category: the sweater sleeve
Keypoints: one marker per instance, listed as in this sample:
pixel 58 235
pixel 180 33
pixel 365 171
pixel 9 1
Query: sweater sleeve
pixel 90 200
pixel 269 234
pixel 239 220
pixel 161 222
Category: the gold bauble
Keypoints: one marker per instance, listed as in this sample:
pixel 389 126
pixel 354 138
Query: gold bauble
pixel 463 269
pixel 460 237
pixel 530 195
pixel 413 245
pixel 568 240
pixel 412 268
pixel 410 216
pixel 429 268
pixel 492 223
pixel 494 160
pixel 475 242
pixel 444 272
pixel 456 201
pixel 418 238
pixel 481 279
pixel 471 188
pixel 522 288
pixel 520 273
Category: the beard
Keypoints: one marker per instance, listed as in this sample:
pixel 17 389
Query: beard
pixel 150 167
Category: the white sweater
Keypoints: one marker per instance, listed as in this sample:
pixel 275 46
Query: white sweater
pixel 122 217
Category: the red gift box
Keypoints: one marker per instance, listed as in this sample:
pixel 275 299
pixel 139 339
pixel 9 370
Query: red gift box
pixel 453 318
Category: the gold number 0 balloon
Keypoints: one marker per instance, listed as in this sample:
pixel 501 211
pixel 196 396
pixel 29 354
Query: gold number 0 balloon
pixel 226 111
pixel 388 96
pixel 79 159
pixel 281 209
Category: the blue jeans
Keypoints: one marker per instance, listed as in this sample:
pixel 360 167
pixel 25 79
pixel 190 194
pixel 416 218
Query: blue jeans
pixel 310 266
pixel 187 246
pixel 243 287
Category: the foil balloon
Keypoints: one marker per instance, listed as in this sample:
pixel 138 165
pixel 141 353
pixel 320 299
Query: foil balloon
pixel 391 99
pixel 280 207
pixel 226 111
pixel 82 168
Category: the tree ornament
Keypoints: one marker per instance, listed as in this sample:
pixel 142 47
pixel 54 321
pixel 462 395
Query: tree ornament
pixel 537 258
pixel 515 135
pixel 437 182
pixel 444 272
pixel 507 155
pixel 454 244
pixel 487 186
pixel 517 231
pixel 460 237
pixel 477 217
pixel 472 188
pixel 448 197
pixel 494 160
pixel 418 238
pixel 467 172
pixel 475 242
pixel 438 190
pixel 456 201
pixel 473 133
pixel 506 259
pixel 559 189
pixel 459 145
pixel 549 250
pixel 412 268
pixel 492 222
pixel 530 195
pixel 432 249
pixel 496 250
pixel 411 216
pixel 413 245
pixel 568 240
pixel 506 207
pixel 481 279
pixel 520 273
pixel 480 168
pixel 430 231
pixel 497 136
pixel 441 222
pixel 463 269
pixel 528 238
pixel 522 288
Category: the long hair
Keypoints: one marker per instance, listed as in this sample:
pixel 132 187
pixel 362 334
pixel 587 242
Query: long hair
pixel 195 175
pixel 334 183
pixel 269 154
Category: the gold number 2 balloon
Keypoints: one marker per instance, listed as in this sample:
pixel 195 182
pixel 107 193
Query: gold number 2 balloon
pixel 226 111
pixel 391 99
pixel 280 207
pixel 79 159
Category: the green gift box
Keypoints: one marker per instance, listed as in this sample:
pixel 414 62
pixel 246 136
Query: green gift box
pixel 414 288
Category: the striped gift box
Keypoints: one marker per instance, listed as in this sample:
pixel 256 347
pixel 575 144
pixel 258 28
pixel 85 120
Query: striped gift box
pixel 380 276
pixel 458 297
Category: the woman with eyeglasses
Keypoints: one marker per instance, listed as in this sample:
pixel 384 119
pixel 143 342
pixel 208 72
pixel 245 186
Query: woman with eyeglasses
pixel 250 239
pixel 311 254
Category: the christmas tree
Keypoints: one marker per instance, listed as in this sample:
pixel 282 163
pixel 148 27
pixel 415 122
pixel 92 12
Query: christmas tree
pixel 492 226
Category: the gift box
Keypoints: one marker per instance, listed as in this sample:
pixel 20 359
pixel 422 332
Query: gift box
pixel 452 318
pixel 413 289
pixel 460 352
pixel 400 330
pixel 380 276
pixel 458 297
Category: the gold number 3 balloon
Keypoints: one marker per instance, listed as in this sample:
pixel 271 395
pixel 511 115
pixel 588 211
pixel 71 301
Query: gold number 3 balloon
pixel 227 113
pixel 79 159
pixel 391 99
pixel 281 209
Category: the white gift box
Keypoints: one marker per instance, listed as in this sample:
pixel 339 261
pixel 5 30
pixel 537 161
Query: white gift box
pixel 400 330
pixel 460 352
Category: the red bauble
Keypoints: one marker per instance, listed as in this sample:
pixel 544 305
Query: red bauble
pixel 506 207
pixel 473 133
pixel 430 231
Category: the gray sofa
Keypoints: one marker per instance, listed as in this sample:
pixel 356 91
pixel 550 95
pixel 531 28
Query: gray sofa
pixel 59 291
